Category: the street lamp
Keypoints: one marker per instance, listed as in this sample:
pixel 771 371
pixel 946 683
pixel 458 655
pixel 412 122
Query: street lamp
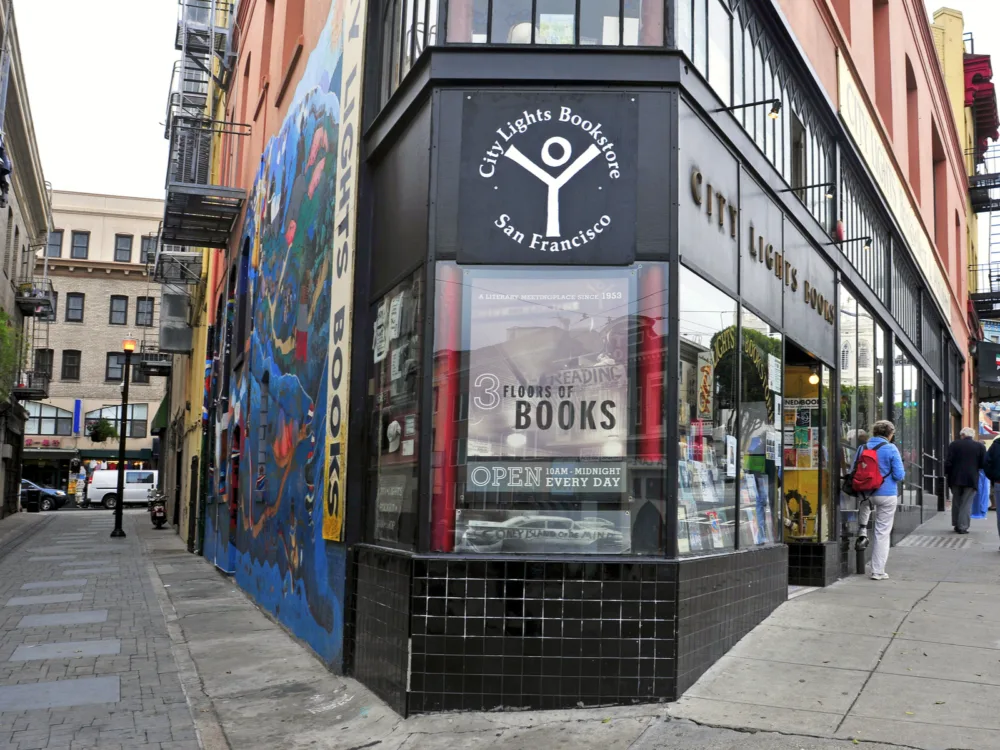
pixel 128 346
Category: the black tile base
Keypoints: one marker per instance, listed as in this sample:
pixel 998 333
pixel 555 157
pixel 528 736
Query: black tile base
pixel 720 600
pixel 381 627
pixel 814 563
pixel 908 518
pixel 480 634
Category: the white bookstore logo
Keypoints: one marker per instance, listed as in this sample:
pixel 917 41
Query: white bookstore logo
pixel 556 153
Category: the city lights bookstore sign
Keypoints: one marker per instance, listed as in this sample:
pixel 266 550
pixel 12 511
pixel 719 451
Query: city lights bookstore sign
pixel 548 178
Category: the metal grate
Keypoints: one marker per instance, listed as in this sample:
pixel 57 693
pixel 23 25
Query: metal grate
pixel 938 542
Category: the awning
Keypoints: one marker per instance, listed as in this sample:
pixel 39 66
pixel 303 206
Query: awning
pixel 160 418
pixel 146 454
pixel 48 454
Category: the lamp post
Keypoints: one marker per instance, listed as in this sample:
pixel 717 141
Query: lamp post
pixel 128 346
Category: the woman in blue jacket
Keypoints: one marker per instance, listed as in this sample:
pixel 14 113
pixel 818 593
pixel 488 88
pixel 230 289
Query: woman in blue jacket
pixel 884 499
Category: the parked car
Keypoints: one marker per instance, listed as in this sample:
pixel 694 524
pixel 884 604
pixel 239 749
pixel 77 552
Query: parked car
pixel 48 498
pixel 103 489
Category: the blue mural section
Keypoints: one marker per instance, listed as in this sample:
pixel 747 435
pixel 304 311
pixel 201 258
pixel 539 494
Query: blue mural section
pixel 269 444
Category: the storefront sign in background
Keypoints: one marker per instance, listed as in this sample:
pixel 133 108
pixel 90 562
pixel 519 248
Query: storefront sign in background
pixel 854 113
pixel 548 178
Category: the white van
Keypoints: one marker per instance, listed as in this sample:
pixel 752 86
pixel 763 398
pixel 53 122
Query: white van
pixel 103 488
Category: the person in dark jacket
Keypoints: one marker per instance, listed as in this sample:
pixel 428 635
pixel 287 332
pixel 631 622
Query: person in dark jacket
pixel 966 456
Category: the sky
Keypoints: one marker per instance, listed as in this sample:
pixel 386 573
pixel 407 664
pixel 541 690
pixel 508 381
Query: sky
pixel 98 73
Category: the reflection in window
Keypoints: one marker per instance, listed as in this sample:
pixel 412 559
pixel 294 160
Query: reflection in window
pixel 706 504
pixel 906 416
pixel 760 432
pixel 548 431
pixel 395 413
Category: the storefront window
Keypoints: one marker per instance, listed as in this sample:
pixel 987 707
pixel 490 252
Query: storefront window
pixel 827 463
pixel 395 413
pixel 760 431
pixel 906 415
pixel 867 409
pixel 880 370
pixel 548 431
pixel 706 500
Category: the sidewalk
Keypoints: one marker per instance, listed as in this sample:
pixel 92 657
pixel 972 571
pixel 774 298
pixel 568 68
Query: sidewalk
pixel 910 662
pixel 913 661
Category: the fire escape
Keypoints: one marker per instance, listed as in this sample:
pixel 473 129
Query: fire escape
pixel 34 298
pixel 983 163
pixel 197 213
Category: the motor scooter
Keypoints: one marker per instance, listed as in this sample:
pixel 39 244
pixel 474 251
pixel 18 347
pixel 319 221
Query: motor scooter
pixel 157 508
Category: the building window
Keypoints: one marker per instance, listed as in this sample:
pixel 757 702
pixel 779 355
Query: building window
pixel 74 307
pixel 147 252
pixel 123 248
pixel 597 356
pixel 135 423
pixel 54 247
pixel 43 362
pixel 119 311
pixel 71 364
pixel 114 370
pixel 45 419
pixel 80 245
pixel 883 61
pixel 144 311
pixel 706 507
pixel 138 375
pixel 864 355
pixel 797 173
pixel 845 356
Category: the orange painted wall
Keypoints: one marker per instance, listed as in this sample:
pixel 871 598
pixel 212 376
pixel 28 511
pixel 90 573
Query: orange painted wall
pixel 825 27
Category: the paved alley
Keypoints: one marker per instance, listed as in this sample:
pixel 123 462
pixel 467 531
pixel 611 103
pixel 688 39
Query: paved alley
pixel 140 644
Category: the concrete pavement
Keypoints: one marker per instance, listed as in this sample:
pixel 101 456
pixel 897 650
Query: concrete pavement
pixel 912 661
pixel 901 663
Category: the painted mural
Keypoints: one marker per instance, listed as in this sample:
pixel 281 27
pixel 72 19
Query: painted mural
pixel 270 442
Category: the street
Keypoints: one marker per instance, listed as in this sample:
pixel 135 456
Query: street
pixel 139 644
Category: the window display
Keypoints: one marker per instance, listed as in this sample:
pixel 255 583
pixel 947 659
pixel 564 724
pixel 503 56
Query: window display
pixel 707 469
pixel 396 348
pixel 549 407
pixel 760 431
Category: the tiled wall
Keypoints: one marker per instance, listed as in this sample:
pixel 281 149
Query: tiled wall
pixel 814 564
pixel 721 599
pixel 381 630
pixel 517 633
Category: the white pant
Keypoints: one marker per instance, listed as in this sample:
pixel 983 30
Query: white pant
pixel 885 514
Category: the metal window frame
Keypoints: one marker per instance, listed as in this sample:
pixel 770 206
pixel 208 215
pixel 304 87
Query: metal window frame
pixel 79 364
pixel 111 310
pixel 72 245
pixel 131 243
pixel 71 296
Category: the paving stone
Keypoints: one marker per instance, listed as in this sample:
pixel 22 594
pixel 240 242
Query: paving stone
pixel 77 563
pixel 53 584
pixel 40 558
pixel 87 617
pixel 78 571
pixel 27 601
pixel 41 695
pixel 66 650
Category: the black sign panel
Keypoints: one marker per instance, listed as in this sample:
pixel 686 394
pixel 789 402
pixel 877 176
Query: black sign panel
pixel 989 365
pixel 548 178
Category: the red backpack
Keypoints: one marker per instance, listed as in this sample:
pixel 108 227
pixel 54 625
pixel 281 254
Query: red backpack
pixel 866 477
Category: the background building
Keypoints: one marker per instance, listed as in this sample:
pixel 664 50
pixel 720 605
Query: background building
pixel 96 255
pixel 24 297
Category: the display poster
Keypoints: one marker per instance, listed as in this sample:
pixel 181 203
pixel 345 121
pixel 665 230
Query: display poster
pixel 548 367
pixel 706 385
pixel 778 411
pixel 774 373
pixel 730 456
